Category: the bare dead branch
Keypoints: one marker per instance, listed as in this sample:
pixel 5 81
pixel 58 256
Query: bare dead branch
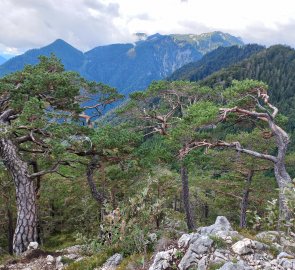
pixel 225 111
pixel 106 102
pixel 235 145
pixel 6 114
pixel 36 151
pixel 265 97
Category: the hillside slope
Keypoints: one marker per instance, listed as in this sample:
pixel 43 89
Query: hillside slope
pixel 213 61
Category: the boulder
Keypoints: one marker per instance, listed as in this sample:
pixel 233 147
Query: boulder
pixel 287 263
pixel 246 246
pixel 243 247
pixel 163 260
pixel 221 224
pixel 201 245
pixel 286 260
pixel 186 239
pixel 285 255
pixel 196 250
pixel 221 228
pixel 112 262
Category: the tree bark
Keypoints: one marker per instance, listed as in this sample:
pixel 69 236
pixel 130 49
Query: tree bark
pixel 284 182
pixel 26 225
pixel 37 191
pixel 10 231
pixel 245 200
pixel 185 197
pixel 283 179
pixel 206 206
pixel 90 172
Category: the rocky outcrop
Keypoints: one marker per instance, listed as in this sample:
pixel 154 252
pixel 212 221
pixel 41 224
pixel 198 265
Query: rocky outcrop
pixel 217 247
pixel 37 259
pixel 220 247
pixel 196 253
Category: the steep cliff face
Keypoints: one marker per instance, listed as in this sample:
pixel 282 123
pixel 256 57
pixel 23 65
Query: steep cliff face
pixel 129 67
pixel 133 66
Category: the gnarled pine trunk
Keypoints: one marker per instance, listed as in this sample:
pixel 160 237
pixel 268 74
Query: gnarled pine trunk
pixel 185 196
pixel 26 225
pixel 283 179
pixel 10 231
pixel 245 200
pixel 92 166
pixel 284 182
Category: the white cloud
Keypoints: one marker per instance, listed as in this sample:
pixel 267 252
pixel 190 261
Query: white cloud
pixel 88 23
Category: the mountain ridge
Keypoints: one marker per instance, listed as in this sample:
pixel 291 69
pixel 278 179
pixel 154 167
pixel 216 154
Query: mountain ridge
pixel 128 66
pixel 2 60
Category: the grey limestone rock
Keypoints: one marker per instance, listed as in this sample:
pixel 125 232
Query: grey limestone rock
pixel 163 260
pixel 240 265
pixel 112 262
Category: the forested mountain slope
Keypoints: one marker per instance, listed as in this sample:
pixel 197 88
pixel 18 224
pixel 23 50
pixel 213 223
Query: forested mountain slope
pixel 222 57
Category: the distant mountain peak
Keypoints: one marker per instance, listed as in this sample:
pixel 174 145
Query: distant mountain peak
pixel 60 43
pixel 59 40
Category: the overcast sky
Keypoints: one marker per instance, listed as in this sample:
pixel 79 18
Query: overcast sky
pixel 88 23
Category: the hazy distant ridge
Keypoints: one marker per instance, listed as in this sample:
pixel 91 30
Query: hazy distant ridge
pixel 129 67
